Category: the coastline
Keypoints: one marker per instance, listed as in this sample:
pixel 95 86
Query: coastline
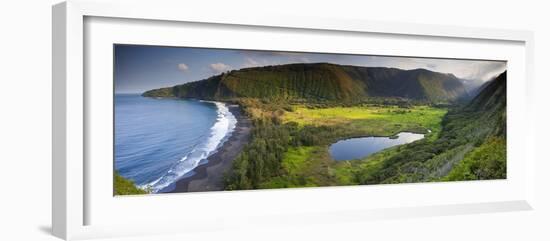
pixel 209 176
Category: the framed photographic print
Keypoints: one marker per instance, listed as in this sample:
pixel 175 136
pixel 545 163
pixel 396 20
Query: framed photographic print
pixel 233 119
pixel 157 117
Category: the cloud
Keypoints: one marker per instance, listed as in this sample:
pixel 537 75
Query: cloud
pixel 475 70
pixel 487 70
pixel 250 62
pixel 304 60
pixel 219 67
pixel 478 70
pixel 183 67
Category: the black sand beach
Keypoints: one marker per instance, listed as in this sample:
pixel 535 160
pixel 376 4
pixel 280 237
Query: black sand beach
pixel 209 176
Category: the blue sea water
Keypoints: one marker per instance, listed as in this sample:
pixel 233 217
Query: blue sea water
pixel 356 148
pixel 158 141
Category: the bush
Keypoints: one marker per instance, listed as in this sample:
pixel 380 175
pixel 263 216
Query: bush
pixel 123 186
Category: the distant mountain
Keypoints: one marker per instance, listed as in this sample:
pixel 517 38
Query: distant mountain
pixel 321 81
pixel 473 87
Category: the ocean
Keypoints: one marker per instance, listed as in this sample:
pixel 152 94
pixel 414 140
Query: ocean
pixel 159 141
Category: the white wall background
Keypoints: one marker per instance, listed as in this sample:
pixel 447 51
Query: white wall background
pixel 25 119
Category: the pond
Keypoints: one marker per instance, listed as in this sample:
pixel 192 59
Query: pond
pixel 361 147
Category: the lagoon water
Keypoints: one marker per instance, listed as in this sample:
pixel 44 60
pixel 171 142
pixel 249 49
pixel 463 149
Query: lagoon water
pixel 356 148
pixel 157 141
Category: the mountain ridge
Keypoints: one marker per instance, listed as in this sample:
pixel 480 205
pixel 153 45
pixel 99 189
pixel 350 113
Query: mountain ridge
pixel 321 82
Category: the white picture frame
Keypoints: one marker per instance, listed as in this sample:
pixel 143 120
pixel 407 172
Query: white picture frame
pixel 75 201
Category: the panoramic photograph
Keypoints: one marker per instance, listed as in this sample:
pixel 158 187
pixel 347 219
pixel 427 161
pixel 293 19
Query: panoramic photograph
pixel 190 119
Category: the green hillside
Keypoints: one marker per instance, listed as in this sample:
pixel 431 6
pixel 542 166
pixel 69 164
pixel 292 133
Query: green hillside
pixel 470 146
pixel 123 186
pixel 320 82
pixel 290 144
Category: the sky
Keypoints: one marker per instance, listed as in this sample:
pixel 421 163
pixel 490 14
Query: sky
pixel 139 68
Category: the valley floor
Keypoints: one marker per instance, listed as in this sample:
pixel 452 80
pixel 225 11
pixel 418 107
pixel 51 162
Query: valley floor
pixel 290 146
pixel 313 166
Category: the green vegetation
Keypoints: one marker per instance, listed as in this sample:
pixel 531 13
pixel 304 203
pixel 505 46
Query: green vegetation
pixel 296 164
pixel 485 162
pixel 123 186
pixel 466 143
pixel 471 146
pixel 160 93
pixel 290 142
pixel 321 82
pixel 261 158
pixel 295 159
pixel 372 120
pixel 298 110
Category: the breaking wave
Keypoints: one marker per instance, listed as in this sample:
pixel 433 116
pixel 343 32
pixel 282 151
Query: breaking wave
pixel 219 133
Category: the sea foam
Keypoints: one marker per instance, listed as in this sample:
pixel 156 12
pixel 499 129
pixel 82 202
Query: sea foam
pixel 219 133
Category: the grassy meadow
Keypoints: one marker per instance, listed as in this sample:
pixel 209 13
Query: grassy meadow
pixel 372 120
pixel 309 131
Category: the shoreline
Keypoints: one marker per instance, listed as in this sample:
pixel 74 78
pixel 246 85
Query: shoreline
pixel 209 176
pixel 390 136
